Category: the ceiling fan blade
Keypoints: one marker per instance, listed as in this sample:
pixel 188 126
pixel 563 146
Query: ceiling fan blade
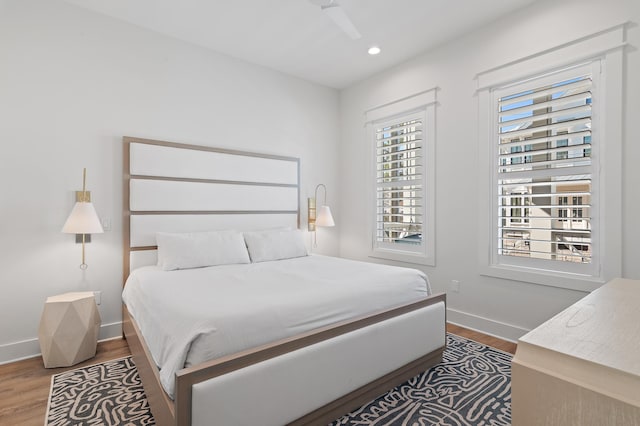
pixel 341 19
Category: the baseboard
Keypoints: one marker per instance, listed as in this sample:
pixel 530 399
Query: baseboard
pixel 110 331
pixel 16 351
pixel 485 325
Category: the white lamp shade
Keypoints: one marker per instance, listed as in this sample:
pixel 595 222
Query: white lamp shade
pixel 83 220
pixel 324 217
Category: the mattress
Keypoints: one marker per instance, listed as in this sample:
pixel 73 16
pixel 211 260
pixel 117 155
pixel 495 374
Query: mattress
pixel 194 315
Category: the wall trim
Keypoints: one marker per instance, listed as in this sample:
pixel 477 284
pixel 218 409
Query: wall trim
pixel 583 49
pixel 484 325
pixel 25 349
pixel 403 105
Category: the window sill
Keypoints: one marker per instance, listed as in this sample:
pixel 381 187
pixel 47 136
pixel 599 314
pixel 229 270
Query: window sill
pixel 403 256
pixel 547 278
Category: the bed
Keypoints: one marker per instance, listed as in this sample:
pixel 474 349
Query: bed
pixel 356 337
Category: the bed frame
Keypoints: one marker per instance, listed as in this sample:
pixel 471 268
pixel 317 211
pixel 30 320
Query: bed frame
pixel 175 187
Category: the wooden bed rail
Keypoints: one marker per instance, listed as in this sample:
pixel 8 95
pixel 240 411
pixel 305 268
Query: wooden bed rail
pixel 162 407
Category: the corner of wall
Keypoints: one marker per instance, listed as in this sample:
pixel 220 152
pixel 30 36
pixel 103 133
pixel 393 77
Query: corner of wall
pixel 18 351
pixel 488 326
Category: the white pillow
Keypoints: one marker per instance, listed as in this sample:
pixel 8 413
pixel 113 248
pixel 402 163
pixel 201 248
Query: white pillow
pixel 275 244
pixel 198 249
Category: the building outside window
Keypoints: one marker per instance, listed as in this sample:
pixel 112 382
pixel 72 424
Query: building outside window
pixel 401 137
pixel 399 183
pixel 553 118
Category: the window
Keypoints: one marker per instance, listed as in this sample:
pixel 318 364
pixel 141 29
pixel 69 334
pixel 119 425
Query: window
pixel 563 155
pixel 576 213
pixel 399 183
pixel 518 214
pixel 550 132
pixel 563 214
pixel 552 117
pixel 401 142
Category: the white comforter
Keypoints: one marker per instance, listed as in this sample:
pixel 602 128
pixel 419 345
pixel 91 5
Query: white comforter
pixel 191 316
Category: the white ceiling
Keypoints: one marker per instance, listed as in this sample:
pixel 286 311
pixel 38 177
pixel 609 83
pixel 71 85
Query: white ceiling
pixel 297 38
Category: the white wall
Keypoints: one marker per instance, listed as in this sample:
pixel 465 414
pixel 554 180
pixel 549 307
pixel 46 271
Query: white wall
pixel 72 83
pixel 502 307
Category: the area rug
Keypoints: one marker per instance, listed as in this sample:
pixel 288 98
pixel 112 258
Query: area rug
pixel 109 393
pixel 472 386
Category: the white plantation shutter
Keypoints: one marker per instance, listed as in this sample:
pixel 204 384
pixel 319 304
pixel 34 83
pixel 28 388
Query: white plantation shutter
pixel 545 172
pixel 401 145
pixel 399 182
pixel 550 129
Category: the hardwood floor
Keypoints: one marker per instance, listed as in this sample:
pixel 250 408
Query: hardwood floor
pixel 494 342
pixel 24 385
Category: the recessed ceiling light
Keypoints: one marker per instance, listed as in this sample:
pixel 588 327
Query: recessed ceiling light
pixel 374 50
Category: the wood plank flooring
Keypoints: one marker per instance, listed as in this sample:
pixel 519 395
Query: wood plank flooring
pixel 24 385
pixel 485 339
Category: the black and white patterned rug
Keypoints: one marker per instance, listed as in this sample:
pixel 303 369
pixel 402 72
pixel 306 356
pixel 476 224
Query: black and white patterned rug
pixel 472 386
pixel 109 393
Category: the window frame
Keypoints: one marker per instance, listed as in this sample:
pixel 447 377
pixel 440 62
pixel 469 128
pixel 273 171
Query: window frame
pixel 422 104
pixel 604 50
pixel 548 79
pixel 420 116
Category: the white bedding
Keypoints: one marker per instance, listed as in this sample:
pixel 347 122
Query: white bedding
pixel 194 315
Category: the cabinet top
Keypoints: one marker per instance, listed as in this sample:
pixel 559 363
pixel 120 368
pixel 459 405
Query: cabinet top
pixel 602 328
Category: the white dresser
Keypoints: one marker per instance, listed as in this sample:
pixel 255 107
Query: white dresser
pixel 582 367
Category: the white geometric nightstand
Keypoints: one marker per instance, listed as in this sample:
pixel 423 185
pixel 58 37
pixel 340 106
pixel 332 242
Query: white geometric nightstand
pixel 69 328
